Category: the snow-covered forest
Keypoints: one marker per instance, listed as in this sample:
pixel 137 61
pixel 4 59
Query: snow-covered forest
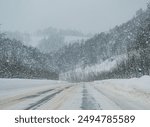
pixel 20 61
pixel 122 52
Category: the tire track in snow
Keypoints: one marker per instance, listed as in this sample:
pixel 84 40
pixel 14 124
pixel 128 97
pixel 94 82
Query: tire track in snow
pixel 36 95
pixel 42 101
pixel 115 102
pixel 58 101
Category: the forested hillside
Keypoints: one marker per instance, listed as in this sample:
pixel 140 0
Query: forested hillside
pixel 138 51
pixel 19 61
pixel 131 39
pixel 53 39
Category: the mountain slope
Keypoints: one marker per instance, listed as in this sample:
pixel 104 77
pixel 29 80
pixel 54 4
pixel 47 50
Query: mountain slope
pixel 19 61
pixel 103 46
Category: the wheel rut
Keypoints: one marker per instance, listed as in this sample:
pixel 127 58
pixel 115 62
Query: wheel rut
pixel 42 101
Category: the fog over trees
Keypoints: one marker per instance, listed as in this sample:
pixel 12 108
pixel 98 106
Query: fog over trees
pixel 121 52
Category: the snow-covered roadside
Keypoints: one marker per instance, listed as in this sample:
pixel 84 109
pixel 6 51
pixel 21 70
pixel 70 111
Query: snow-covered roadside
pixel 135 92
pixel 141 84
pixel 23 93
pixel 12 87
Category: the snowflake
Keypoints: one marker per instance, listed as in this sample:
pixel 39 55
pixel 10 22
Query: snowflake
pixel 7 61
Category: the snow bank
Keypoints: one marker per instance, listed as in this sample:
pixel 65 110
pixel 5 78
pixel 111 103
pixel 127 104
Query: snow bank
pixel 127 93
pixel 142 83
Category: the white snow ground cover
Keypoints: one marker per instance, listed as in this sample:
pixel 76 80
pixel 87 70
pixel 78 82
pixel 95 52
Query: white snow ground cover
pixel 13 91
pixel 106 94
pixel 135 92
pixel 141 84
pixel 10 87
pixel 112 94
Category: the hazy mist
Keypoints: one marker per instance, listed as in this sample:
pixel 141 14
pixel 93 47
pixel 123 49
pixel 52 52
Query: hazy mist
pixel 85 15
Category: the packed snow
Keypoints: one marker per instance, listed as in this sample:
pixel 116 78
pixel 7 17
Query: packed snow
pixel 134 92
pixel 98 95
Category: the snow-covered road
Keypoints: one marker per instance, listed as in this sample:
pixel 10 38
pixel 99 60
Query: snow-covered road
pixel 100 95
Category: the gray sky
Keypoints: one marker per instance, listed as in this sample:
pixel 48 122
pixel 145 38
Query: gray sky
pixel 85 15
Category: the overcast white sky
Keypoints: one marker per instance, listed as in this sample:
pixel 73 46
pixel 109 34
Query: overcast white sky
pixel 85 15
